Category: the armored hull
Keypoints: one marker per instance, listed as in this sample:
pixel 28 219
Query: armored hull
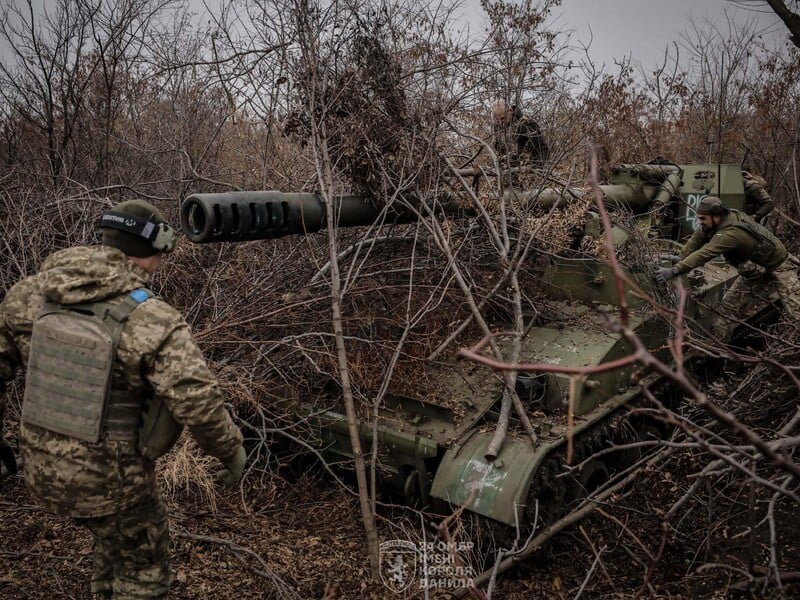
pixel 433 448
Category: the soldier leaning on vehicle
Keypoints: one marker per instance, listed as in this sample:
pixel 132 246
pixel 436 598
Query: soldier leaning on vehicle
pixel 760 258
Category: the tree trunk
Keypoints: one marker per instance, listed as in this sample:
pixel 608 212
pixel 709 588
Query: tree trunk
pixel 324 171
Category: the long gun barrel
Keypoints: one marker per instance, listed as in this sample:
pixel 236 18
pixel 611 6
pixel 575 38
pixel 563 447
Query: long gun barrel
pixel 244 216
pixel 261 215
pixel 636 187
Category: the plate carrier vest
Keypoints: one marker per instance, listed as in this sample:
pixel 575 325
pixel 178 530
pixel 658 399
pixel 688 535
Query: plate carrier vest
pixel 68 388
pixel 769 251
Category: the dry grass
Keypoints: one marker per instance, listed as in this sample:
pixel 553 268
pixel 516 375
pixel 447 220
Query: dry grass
pixel 187 472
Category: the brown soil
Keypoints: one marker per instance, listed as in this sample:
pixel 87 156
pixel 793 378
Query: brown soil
pixel 307 533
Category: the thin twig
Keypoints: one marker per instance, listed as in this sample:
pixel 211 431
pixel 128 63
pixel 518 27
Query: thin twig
pixel 281 587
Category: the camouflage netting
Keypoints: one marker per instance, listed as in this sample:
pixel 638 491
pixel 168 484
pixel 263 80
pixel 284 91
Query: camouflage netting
pixel 385 142
pixel 261 310
pixel 277 324
pixel 758 393
pixel 263 313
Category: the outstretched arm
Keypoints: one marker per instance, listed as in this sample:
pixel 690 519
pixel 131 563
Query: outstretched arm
pixel 720 243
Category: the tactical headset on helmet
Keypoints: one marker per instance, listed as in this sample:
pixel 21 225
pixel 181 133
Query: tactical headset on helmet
pixel 711 205
pixel 138 229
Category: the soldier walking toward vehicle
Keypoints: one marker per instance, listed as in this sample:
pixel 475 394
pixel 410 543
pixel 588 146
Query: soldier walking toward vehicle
pixel 758 203
pixel 759 257
pixel 113 374
pixel 517 136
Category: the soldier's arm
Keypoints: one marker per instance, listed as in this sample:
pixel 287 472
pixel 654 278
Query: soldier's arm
pixel 718 244
pixel 9 359
pixel 7 458
pixel 9 353
pixel 693 243
pixel 762 199
pixel 6 372
pixel 500 145
pixel 531 140
pixel 180 376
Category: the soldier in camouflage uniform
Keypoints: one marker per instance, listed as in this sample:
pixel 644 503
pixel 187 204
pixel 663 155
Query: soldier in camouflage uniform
pixel 758 203
pixel 109 485
pixel 760 258
pixel 516 136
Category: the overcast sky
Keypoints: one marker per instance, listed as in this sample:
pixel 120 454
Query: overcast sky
pixel 644 28
pixel 639 28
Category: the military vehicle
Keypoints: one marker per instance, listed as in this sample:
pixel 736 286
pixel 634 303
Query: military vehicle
pixel 432 452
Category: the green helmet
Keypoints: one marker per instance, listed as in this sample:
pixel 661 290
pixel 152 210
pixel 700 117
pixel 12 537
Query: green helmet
pixel 138 229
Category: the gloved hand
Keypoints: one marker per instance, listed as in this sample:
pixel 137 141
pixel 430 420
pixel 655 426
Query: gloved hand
pixel 232 473
pixel 7 457
pixel 673 258
pixel 664 274
pixel 750 270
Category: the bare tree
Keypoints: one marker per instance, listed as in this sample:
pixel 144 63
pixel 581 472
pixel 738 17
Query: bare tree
pixel 787 11
pixel 390 104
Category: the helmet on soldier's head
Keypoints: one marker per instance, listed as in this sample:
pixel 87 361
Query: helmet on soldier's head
pixel 711 205
pixel 137 228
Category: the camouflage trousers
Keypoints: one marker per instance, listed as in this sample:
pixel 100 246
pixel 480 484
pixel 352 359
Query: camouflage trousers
pixel 747 291
pixel 131 552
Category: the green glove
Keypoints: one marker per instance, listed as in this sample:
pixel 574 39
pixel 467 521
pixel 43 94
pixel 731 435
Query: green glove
pixel 232 473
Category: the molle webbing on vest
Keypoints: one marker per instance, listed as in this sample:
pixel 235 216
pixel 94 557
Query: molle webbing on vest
pixel 70 365
pixel 769 251
pixel 123 416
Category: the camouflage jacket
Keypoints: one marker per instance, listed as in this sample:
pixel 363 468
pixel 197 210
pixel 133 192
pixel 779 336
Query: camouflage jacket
pixel 157 356
pixel 731 241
